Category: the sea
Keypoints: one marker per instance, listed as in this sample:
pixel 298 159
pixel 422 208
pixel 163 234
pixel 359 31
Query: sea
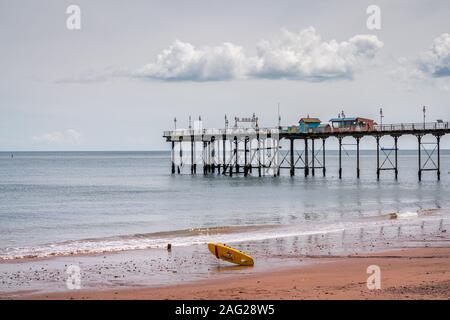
pixel 70 203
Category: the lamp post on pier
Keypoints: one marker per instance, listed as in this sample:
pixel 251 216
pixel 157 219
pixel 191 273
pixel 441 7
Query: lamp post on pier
pixel 424 116
pixel 381 118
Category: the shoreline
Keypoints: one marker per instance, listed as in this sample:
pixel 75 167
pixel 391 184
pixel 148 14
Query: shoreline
pixel 208 233
pixel 141 274
pixel 409 273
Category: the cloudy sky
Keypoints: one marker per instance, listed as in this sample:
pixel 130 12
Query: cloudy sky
pixel 119 81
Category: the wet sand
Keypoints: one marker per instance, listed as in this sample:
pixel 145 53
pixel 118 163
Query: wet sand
pixel 414 273
pixel 413 254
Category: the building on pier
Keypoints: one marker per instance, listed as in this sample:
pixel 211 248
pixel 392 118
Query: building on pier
pixel 308 124
pixel 352 124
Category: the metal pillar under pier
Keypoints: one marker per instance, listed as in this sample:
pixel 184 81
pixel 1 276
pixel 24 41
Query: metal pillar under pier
pixel 179 167
pixel 276 157
pixel 324 170
pixel 245 156
pixel 231 157
pixel 250 166
pixel 292 172
pixel 419 140
pixel 204 157
pixel 340 157
pixel 357 157
pixel 438 142
pixel 378 157
pixel 306 158
pixel 192 154
pixel 218 157
pixel 173 157
pixel 313 157
pixel 236 151
pixel 259 153
pixel 212 157
pixel 208 156
pixel 396 156
pixel 224 168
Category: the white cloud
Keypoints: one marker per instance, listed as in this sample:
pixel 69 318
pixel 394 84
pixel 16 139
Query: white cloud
pixel 182 61
pixel 301 56
pixel 305 56
pixel 67 137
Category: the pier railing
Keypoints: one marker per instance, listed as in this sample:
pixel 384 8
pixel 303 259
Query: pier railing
pixel 407 127
pixel 220 132
pixel 412 126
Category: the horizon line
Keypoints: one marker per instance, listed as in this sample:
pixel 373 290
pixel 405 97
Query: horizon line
pixel 168 150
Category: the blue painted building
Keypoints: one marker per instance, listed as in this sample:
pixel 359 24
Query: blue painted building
pixel 308 124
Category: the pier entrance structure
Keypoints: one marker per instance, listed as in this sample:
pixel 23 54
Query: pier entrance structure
pixel 245 148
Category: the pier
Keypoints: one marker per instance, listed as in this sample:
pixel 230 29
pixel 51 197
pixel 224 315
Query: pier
pixel 252 150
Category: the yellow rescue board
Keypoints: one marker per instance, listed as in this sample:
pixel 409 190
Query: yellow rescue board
pixel 226 253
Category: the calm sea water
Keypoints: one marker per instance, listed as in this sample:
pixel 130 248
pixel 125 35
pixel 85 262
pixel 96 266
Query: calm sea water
pixel 54 203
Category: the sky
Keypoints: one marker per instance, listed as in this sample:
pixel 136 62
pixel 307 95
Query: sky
pixel 118 82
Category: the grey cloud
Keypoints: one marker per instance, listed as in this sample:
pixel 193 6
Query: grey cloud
pixel 431 67
pixel 435 62
pixel 67 137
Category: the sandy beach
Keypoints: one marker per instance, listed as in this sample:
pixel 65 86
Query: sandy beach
pixel 413 255
pixel 414 273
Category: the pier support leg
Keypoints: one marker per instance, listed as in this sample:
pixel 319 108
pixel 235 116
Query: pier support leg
pixel 192 154
pixel 208 157
pixel 245 156
pixel 218 157
pixel 277 154
pixel 378 157
pixel 291 150
pixel 438 142
pixel 264 155
pixel 306 158
pixel 213 155
pixel 181 157
pixel 313 157
pixel 249 150
pixel 340 157
pixel 259 154
pixel 224 168
pixel 231 158
pixel 173 157
pixel 324 170
pixel 236 150
pixel 396 156
pixel 419 139
pixel 204 158
pixel 357 157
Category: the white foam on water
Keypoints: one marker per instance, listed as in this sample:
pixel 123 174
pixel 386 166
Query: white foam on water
pixel 407 215
pixel 149 241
